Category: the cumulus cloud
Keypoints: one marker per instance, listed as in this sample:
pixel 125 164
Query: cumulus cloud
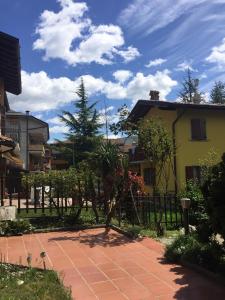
pixel 156 62
pixel 140 85
pixel 58 129
pixel 70 35
pixel 129 54
pixel 122 75
pixel 43 93
pixel 217 54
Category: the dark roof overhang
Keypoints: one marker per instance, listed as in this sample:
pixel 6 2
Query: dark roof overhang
pixel 142 107
pixel 10 63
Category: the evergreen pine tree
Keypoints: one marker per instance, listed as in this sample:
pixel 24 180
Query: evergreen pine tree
pixel 217 94
pixel 189 92
pixel 83 127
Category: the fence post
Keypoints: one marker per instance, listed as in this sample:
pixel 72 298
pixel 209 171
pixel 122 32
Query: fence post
pixel 10 198
pixel 35 199
pixel 165 208
pixel 185 203
pixel 18 202
pixel 175 200
pixel 43 198
pixel 58 209
pixel 27 195
pixel 119 213
pixel 2 192
pixel 170 205
pixel 155 215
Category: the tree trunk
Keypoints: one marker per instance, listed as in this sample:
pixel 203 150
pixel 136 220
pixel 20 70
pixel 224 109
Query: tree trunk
pixel 110 215
pixel 94 207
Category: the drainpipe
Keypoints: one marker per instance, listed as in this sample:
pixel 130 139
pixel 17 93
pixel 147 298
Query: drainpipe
pixel 174 147
pixel 27 140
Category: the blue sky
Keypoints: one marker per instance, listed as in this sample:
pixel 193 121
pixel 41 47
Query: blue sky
pixel 121 48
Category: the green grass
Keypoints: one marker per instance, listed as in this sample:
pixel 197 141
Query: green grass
pixel 17 283
pixel 39 213
pixel 51 219
pixel 170 217
pixel 139 230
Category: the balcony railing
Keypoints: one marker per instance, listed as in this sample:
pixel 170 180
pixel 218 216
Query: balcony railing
pixel 36 148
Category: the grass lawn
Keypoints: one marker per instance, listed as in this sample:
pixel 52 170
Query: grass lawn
pixel 51 219
pixel 140 231
pixel 18 283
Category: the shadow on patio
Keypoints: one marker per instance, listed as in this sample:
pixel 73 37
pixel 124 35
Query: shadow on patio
pixel 193 285
pixel 103 239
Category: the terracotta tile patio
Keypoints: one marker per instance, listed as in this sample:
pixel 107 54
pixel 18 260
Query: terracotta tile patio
pixel 100 265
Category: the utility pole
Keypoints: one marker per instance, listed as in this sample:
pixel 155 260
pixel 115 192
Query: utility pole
pixel 27 140
pixel 106 121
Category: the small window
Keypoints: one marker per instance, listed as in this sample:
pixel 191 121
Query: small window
pixel 149 176
pixel 193 173
pixel 198 129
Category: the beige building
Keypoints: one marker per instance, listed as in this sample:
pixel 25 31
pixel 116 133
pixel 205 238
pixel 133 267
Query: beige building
pixel 32 135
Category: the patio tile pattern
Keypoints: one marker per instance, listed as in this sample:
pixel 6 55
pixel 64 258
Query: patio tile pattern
pixel 107 265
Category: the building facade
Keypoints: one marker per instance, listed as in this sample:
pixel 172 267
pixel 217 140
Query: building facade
pixel 196 129
pixel 32 135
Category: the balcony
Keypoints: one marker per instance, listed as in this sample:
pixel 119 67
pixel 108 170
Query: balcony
pixel 37 149
pixel 136 155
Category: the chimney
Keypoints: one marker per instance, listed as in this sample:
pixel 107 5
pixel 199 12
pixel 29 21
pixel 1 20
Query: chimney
pixel 154 95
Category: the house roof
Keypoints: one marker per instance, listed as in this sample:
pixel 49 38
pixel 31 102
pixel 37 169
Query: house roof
pixel 42 123
pixel 10 63
pixel 142 107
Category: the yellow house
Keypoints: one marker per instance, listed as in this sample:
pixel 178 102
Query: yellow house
pixel 195 129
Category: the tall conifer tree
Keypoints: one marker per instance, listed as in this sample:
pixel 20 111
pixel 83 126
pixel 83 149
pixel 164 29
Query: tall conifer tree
pixel 83 127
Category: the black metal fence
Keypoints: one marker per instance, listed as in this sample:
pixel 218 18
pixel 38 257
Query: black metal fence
pixel 33 200
pixel 150 210
pixel 37 201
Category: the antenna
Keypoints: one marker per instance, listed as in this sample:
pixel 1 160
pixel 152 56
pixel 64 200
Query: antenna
pixel 106 122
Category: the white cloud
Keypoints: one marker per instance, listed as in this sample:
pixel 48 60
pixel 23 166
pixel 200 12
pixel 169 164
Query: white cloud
pixel 57 129
pixel 140 85
pixel 203 76
pixel 71 36
pixel 113 136
pixel 103 110
pixel 122 75
pixel 155 62
pixel 55 120
pixel 184 66
pixel 129 54
pixel 217 54
pixel 206 97
pixel 43 93
pixel 107 113
pixel 38 116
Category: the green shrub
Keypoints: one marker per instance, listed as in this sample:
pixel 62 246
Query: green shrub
pixel 214 191
pixel 15 227
pixel 183 246
pixel 197 210
pixel 204 231
pixel 134 230
pixel 210 255
pixel 189 248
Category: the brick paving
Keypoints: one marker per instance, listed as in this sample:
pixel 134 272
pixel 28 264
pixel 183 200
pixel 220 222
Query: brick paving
pixel 105 266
